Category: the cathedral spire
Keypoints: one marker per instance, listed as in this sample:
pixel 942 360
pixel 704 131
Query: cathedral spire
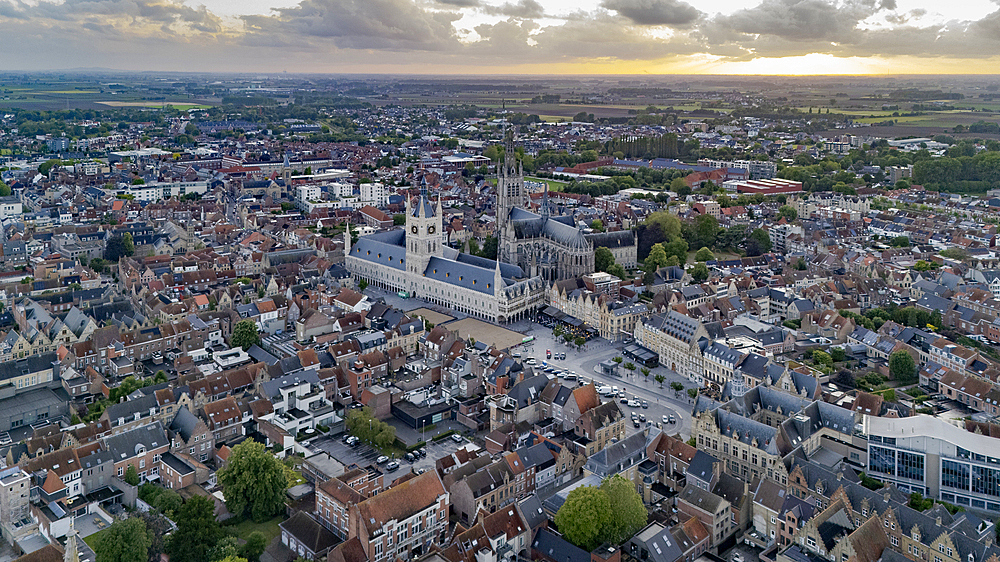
pixel 497 280
pixel 72 552
pixel 423 187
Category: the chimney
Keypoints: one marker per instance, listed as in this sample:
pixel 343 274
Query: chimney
pixel 839 476
pixel 938 520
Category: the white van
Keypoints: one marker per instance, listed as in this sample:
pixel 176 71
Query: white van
pixel 605 391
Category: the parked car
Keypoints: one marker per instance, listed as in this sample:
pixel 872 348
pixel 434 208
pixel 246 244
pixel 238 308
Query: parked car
pixel 410 458
pixel 392 467
pixel 382 460
pixel 633 403
pixel 666 420
pixel 737 557
pixel 456 438
pixel 635 423
pixel 423 452
pixel 645 405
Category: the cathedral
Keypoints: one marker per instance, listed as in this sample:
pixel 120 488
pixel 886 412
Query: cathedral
pixel 415 260
pixel 533 249
pixel 551 247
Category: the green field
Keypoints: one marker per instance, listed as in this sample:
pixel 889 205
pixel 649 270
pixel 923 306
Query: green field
pixel 554 185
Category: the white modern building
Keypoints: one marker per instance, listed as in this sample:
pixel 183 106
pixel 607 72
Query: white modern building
pixel 935 458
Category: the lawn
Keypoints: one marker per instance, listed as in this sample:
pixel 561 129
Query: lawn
pixel 92 539
pixel 719 255
pixel 554 185
pixel 247 526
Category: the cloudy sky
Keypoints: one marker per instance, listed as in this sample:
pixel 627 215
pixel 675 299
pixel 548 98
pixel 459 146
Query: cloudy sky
pixel 510 36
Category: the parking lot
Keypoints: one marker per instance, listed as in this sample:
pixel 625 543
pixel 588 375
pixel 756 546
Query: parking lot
pixel 364 455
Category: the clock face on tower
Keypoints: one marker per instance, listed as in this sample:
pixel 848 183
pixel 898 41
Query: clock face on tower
pixel 414 229
pixel 430 230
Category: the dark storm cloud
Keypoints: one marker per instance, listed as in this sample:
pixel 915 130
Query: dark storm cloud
pixel 800 20
pixel 655 12
pixel 359 24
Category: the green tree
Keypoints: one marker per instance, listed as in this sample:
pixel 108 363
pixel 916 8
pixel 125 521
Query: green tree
pixel 128 247
pixel 900 242
pixel 659 379
pixel 820 357
pixel 699 272
pixel 126 540
pixel 4 189
pixel 837 354
pixel 114 249
pixel 160 377
pixel 131 476
pixel 630 367
pixel 960 254
pixel 46 166
pixel 902 367
pixel 254 547
pixel 704 232
pixel 758 242
pixel 253 482
pixel 227 547
pixel 157 528
pixel 619 271
pixel 579 342
pixel 197 531
pixel 788 212
pixel 645 373
pixel 668 224
pixel 693 393
pixel 244 334
pixel 704 254
pixel 627 514
pixel 680 187
pixel 234 558
pixel 677 386
pixel 657 258
pixel 603 259
pixel 597 225
pixel 399 219
pixel 677 247
pixel 362 285
pixel 489 250
pixel 584 516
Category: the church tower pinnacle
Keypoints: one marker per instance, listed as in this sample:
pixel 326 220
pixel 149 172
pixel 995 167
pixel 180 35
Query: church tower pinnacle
pixel 72 553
